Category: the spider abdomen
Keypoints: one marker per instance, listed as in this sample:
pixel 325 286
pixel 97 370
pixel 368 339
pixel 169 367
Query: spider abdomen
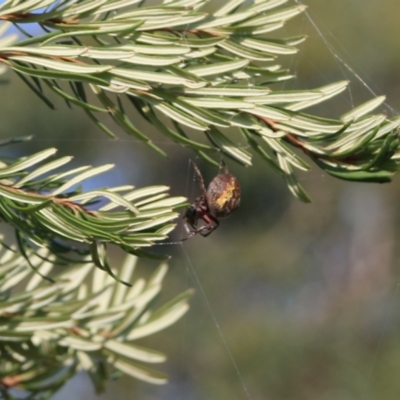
pixel 223 195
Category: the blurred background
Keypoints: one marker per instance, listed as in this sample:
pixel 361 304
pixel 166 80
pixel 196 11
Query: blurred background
pixel 305 296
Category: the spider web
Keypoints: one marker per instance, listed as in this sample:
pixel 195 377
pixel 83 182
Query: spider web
pixel 347 298
pixel 355 267
pixel 192 378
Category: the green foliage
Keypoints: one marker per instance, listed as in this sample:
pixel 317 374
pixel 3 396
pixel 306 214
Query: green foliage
pixel 49 331
pixel 193 75
pixel 49 210
pixel 85 321
pixel 187 71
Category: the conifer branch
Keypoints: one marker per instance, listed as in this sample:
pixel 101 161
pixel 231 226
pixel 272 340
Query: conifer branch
pixel 49 209
pixel 85 321
pixel 188 72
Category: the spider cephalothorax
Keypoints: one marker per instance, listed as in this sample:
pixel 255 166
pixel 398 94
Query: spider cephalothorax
pixel 221 198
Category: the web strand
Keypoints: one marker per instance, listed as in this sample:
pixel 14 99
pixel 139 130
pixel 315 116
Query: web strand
pixel 353 72
pixel 340 59
pixel 384 330
pixel 193 273
pixel 190 182
pixel 342 65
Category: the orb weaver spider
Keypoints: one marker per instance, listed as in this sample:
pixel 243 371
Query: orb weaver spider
pixel 221 198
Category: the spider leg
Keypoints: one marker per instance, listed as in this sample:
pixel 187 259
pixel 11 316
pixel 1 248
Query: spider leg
pixel 190 234
pixel 190 228
pixel 223 166
pixel 200 180
pixel 212 225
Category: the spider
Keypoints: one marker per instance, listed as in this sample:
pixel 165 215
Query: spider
pixel 221 198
